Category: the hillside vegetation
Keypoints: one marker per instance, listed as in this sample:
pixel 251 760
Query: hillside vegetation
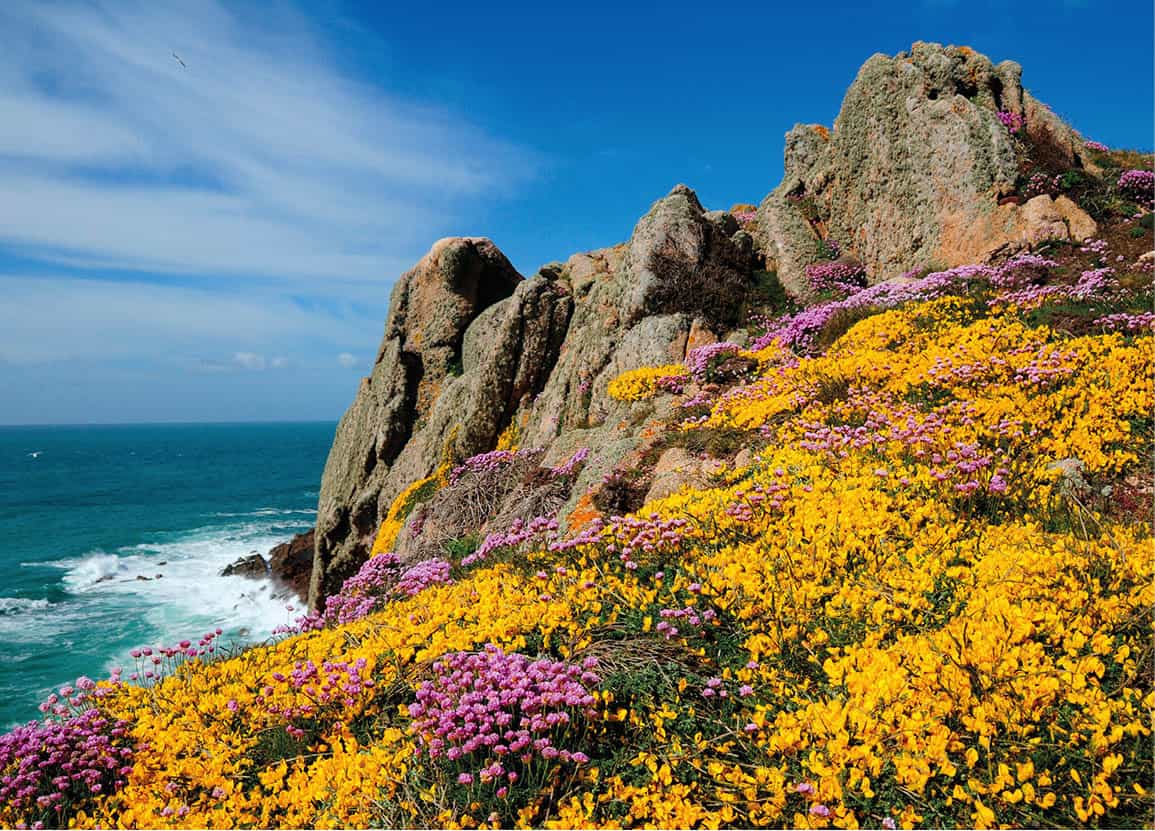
pixel 923 598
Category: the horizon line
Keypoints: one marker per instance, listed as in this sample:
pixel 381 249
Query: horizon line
pixel 171 423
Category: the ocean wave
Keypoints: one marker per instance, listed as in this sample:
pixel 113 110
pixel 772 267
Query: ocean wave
pixel 176 586
pixel 267 512
pixel 95 568
pixel 15 605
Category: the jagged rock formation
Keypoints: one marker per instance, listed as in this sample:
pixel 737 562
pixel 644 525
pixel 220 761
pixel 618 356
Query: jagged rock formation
pixel 470 347
pixel 289 566
pixel 431 307
pixel 914 169
pixel 253 566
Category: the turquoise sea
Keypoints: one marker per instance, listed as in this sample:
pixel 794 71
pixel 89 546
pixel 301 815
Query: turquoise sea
pixel 88 512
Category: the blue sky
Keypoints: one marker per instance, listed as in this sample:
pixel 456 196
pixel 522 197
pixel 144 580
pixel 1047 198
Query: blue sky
pixel 217 241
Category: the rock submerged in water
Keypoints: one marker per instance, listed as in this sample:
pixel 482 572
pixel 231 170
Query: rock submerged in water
pixel 289 565
pixel 252 566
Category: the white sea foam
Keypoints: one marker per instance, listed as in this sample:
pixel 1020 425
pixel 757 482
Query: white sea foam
pixel 12 605
pixel 38 623
pixel 268 512
pixel 175 586
pixel 96 567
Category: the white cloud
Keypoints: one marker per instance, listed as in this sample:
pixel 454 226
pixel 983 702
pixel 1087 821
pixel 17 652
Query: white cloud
pixel 279 362
pixel 249 360
pixel 55 318
pixel 347 360
pixel 259 158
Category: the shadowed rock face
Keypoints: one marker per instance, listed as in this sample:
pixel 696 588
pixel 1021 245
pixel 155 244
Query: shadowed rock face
pixel 431 307
pixel 469 346
pixel 914 169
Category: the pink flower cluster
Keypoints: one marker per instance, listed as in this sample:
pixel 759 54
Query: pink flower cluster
pixel 491 462
pixel 1098 282
pixel 707 363
pixel 572 465
pixel 1097 146
pixel 519 532
pixel 1012 121
pixel 152 664
pixel 482 463
pixel 925 434
pixel 420 576
pixel 745 218
pixel 798 331
pixel 360 594
pixel 1095 283
pixel 72 700
pixel 673 384
pixel 1021 270
pixel 694 617
pixel 379 579
pixel 1041 183
pixel 1124 322
pixel 333 682
pixel 50 769
pixel 1138 184
pixel 489 711
pixel 634 536
pixel 760 497
pixel 1098 247
pixel 966 461
pixel 1047 365
pixel 835 277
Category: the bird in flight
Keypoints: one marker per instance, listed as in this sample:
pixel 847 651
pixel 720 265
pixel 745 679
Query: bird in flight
pixel 178 60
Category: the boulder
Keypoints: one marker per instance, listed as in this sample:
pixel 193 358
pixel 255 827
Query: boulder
pixel 1043 218
pixel 676 468
pixel 291 565
pixel 448 381
pixel 635 305
pixel 253 567
pixel 914 170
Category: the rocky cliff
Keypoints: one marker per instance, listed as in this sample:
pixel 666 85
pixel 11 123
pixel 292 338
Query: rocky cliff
pixel 471 347
pixel 925 166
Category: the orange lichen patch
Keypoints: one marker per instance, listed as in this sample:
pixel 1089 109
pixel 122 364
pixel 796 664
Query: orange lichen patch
pixel 583 513
pixel 651 430
pixel 822 131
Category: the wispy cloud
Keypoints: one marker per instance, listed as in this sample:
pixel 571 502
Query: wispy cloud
pixel 61 318
pixel 347 360
pixel 258 157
